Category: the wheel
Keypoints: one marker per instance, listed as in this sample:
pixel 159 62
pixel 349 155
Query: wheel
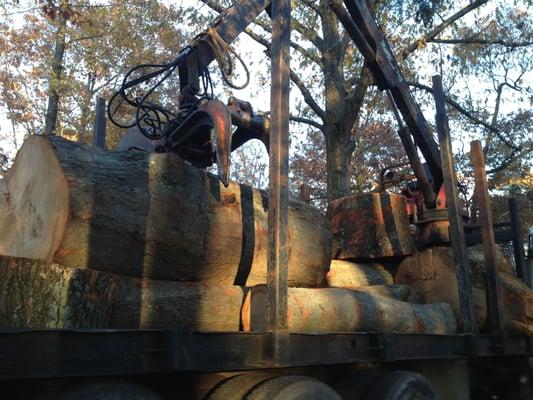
pixel 402 385
pixel 292 387
pixel 108 390
pixel 269 387
pixel 236 387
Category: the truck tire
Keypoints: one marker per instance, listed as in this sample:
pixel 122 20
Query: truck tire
pixel 402 385
pixel 108 390
pixel 271 387
pixel 293 387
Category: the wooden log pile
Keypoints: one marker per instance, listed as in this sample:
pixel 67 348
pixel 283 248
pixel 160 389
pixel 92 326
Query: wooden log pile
pixel 148 215
pixel 99 239
pixel 431 275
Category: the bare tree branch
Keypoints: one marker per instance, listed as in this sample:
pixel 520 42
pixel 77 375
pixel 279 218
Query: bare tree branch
pixel 496 42
pixel 307 121
pixel 311 5
pixel 505 163
pixel 309 34
pixel 406 51
pixel 469 115
pixel 308 97
pixel 360 85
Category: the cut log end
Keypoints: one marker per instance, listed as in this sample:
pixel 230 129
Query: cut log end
pixel 36 203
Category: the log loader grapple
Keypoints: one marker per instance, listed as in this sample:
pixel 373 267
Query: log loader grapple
pixel 201 129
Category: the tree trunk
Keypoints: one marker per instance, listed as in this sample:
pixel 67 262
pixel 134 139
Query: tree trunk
pixel 36 294
pixel 338 163
pixel 148 215
pixel 55 76
pixel 344 310
pixel 431 274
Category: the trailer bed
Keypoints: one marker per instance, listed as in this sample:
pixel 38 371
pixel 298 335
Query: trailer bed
pixel 66 353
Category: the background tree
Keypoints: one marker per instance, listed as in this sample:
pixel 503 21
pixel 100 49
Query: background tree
pixel 464 41
pixel 100 41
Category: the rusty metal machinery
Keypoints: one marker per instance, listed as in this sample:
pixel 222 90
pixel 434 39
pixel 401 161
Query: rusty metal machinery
pixel 201 132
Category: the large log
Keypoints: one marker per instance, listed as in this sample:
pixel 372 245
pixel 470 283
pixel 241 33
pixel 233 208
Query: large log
pixel 351 275
pixel 345 310
pixel 148 215
pixel 36 294
pixel 431 274
pixel 397 292
pixel 370 226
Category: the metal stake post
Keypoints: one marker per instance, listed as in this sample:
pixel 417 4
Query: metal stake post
pixel 518 241
pixel 278 180
pixel 457 234
pixel 99 123
pixel 487 234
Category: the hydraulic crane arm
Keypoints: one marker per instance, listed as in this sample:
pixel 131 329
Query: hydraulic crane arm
pixel 361 25
pixel 228 25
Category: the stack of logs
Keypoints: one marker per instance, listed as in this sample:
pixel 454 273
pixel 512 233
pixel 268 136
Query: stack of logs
pixel 97 239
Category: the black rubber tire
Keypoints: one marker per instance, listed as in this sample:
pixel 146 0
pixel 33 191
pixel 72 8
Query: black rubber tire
pixel 237 387
pixel 254 386
pixel 108 390
pixel 292 387
pixel 402 385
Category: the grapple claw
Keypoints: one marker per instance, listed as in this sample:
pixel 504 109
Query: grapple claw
pixel 205 137
pixel 221 136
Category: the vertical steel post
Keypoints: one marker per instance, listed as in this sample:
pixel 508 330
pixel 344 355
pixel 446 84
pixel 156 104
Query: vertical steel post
pixel 457 233
pixel 487 234
pixel 518 241
pixel 99 123
pixel 278 178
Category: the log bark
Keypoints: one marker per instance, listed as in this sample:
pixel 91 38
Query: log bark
pixel 345 310
pixel 431 275
pixel 396 292
pixel 36 294
pixel 370 226
pixel 152 304
pixel 148 215
pixel 351 275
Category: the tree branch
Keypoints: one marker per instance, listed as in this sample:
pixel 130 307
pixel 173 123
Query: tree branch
pixel 309 34
pixel 311 5
pixel 361 87
pixel 498 42
pixel 505 163
pixel 469 115
pixel 307 121
pixel 406 51
pixel 308 97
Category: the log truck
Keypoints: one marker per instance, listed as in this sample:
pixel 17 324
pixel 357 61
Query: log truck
pixel 276 363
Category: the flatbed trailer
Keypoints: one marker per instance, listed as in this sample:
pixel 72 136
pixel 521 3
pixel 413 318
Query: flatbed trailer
pixel 58 354
pixel 39 364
